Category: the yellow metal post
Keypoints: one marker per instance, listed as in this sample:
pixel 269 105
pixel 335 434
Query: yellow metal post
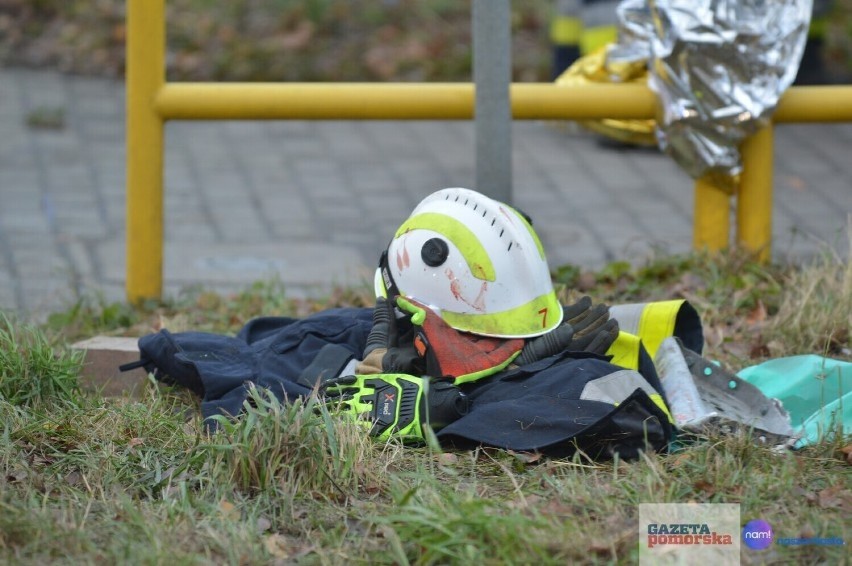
pixel 146 43
pixel 712 223
pixel 395 101
pixel 825 103
pixel 451 101
pixel 754 199
pixel 316 101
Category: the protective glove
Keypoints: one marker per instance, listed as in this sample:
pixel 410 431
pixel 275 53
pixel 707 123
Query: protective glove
pixel 461 356
pixel 388 350
pixel 594 331
pixel 396 405
pixel 584 328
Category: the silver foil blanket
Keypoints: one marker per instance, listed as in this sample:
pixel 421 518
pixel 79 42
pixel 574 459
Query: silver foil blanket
pixel 718 68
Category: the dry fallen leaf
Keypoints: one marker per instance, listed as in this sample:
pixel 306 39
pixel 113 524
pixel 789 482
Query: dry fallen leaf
pixel 297 38
pixel 16 475
pixel 277 545
pixel 601 548
pixel 836 498
pixel 808 495
pixel 759 349
pixel 447 458
pixel 713 335
pixel 74 479
pixel 620 532
pixel 757 314
pixel 526 457
pixel 586 281
pixel 807 531
pixel 229 511
pixel 705 486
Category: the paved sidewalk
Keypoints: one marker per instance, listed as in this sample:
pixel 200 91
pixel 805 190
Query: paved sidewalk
pixel 315 202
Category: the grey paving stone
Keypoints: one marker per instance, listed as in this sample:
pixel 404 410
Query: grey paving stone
pixel 8 301
pixel 304 266
pixel 314 202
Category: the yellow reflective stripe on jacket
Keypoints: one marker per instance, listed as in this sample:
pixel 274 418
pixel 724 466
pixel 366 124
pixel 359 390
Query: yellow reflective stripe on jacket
pixel 658 401
pixel 625 353
pixel 616 387
pixel 625 350
pixel 652 322
pixel 658 323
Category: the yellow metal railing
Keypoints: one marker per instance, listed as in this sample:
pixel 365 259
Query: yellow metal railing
pixel 151 101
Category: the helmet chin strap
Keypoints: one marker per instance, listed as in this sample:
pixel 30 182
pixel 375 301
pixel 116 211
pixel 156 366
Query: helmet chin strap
pixel 387 279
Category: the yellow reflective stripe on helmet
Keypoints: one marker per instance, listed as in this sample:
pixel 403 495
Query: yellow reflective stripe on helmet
pixel 525 320
pixel 625 350
pixel 460 235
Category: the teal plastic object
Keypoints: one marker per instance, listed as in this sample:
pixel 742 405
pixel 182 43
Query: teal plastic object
pixel 816 391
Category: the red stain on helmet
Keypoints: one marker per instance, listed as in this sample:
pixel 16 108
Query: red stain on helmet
pixel 455 285
pixel 403 261
pixel 456 290
pixel 479 303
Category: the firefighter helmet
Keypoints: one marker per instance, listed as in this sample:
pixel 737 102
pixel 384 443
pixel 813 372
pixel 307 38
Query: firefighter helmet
pixel 477 262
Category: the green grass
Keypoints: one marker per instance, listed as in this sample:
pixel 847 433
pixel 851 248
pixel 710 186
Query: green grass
pixel 30 372
pixel 92 480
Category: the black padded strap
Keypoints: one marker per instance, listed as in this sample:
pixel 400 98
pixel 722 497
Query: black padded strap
pixel 328 363
pixel 132 365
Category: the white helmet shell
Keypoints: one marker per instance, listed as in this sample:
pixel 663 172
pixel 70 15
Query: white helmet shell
pixel 475 261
